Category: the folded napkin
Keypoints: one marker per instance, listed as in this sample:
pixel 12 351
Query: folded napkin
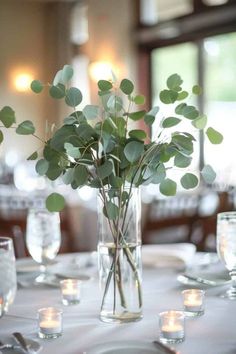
pixel 174 255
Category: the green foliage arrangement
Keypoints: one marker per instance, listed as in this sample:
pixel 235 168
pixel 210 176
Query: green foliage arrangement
pixel 98 146
pixel 104 147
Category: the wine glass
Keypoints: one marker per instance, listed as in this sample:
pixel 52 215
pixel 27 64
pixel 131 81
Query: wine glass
pixel 43 239
pixel 8 284
pixel 226 247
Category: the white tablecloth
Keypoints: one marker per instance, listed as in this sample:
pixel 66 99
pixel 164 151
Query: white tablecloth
pixel 213 333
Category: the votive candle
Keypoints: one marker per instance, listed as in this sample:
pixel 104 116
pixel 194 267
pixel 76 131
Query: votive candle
pixel 70 291
pixel 193 302
pixel 49 322
pixel 172 326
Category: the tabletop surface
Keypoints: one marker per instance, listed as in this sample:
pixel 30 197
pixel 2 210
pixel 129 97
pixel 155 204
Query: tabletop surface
pixel 212 333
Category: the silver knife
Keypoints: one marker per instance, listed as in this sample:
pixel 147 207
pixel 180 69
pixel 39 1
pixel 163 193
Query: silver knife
pixel 21 341
pixel 200 280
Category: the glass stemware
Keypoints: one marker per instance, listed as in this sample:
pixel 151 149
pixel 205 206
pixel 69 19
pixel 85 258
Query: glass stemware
pixel 43 239
pixel 226 247
pixel 8 284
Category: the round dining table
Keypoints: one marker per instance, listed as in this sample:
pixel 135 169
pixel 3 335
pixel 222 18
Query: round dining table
pixel 212 333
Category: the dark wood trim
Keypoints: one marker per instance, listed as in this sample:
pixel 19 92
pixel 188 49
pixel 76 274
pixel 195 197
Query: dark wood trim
pixel 212 21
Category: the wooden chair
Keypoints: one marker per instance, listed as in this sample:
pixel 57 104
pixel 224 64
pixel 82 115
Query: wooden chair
pixel 13 228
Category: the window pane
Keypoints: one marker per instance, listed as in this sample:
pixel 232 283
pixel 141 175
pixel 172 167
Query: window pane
pixel 181 59
pixel 220 90
pixel 153 11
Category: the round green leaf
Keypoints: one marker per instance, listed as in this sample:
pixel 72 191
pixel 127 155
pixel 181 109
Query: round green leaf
pixel 189 181
pixel 138 134
pixel 208 174
pixel 200 122
pixel 114 103
pixel 168 187
pixel 66 74
pixel 80 175
pixel 54 171
pixel 57 78
pixel 137 115
pixel 182 95
pixel 180 108
pixel 190 112
pixel 42 167
pixel 104 85
pixel 68 176
pixel 57 92
pixel 55 202
pixel 133 151
pixel 105 169
pixel 173 82
pixel 197 90
pixel 73 97
pixel 7 116
pixel 72 150
pixel 1 137
pixel 214 136
pixel 168 96
pixel 36 86
pixel 91 112
pixel 182 161
pixel 126 86
pixel 139 99
pixel 25 128
pixel 170 122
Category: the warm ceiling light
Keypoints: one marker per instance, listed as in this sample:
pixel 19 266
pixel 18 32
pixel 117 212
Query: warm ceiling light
pixel 22 82
pixel 100 70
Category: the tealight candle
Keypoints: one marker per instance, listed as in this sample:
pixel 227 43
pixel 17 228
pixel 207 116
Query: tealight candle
pixel 172 326
pixel 49 322
pixel 70 290
pixel 193 302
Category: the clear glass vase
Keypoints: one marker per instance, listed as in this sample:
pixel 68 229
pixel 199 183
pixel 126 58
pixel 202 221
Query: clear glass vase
pixel 119 254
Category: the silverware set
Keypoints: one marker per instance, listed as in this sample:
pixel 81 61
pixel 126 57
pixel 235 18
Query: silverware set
pixel 24 345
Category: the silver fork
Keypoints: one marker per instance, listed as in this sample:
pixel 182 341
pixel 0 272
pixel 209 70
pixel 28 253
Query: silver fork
pixel 8 346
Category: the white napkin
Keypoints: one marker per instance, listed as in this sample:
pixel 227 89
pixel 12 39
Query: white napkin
pixel 174 255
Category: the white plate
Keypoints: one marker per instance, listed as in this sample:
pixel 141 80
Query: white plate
pixel 124 347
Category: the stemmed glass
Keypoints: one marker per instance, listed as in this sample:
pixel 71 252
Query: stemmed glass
pixel 8 284
pixel 43 239
pixel 226 247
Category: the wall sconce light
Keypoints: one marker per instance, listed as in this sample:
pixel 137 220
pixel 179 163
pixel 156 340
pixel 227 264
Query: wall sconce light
pixel 101 70
pixel 22 81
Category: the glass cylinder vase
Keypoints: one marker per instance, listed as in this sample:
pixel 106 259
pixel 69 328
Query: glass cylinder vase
pixel 119 254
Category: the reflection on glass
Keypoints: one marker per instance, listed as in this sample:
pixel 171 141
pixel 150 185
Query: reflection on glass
pixel 43 239
pixel 7 274
pixel 226 246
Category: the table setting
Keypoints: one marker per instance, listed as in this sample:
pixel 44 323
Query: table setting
pixel 185 307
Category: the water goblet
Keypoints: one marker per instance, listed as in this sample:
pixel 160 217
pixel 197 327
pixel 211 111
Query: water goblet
pixel 8 283
pixel 43 239
pixel 226 247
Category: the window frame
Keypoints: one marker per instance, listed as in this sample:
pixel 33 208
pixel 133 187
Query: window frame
pixel 205 21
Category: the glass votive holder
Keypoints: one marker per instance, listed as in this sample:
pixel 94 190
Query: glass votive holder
pixel 49 322
pixel 193 302
pixel 172 326
pixel 70 291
